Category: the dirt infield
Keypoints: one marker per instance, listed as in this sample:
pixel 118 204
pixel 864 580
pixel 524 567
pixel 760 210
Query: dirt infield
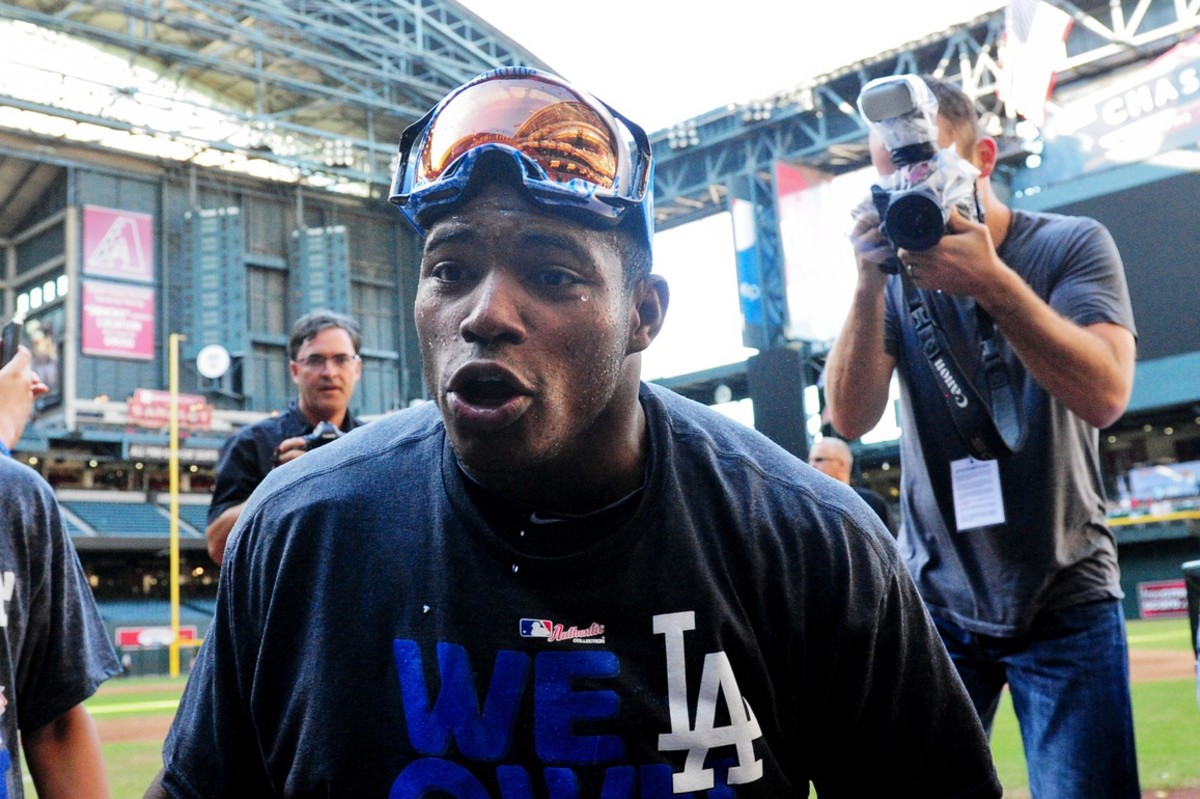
pixel 1146 665
pixel 142 728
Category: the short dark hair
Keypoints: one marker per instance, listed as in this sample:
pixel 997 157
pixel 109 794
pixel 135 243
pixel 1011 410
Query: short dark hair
pixel 313 323
pixel 630 242
pixel 956 108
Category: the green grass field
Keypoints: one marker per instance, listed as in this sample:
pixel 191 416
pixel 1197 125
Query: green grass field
pixel 134 759
pixel 1166 719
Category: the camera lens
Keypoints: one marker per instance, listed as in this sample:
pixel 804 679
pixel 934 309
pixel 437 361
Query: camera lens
pixel 321 435
pixel 915 220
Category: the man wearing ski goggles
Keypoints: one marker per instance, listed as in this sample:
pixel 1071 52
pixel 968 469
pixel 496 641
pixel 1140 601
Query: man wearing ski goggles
pixel 576 155
pixel 554 579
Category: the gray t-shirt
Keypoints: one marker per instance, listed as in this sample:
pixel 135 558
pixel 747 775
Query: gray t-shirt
pixel 54 651
pixel 1053 548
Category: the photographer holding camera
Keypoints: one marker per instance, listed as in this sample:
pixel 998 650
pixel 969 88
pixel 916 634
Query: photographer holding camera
pixel 323 347
pixel 1007 542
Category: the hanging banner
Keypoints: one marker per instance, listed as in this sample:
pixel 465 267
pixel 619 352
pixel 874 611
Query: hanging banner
pixel 1131 118
pixel 1162 599
pixel 118 320
pixel 152 408
pixel 814 222
pixel 118 244
pixel 745 243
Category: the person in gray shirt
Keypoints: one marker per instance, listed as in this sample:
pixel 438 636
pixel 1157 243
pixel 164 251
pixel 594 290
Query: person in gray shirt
pixel 1012 556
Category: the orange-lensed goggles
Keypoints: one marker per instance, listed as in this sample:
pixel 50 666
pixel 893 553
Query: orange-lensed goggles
pixel 574 153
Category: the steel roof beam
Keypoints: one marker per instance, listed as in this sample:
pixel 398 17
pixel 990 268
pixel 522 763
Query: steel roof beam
pixel 816 123
pixel 323 71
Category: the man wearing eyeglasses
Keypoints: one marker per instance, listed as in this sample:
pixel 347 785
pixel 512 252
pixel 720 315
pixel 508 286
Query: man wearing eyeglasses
pixel 325 365
pixel 554 580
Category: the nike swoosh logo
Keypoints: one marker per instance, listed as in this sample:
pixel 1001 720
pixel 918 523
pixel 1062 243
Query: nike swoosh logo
pixel 534 518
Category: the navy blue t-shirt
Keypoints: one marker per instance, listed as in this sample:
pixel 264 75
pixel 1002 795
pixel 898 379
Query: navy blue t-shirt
pixel 249 455
pixel 747 628
pixel 54 650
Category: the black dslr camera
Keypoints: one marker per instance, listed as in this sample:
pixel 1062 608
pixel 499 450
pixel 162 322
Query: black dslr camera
pixel 321 435
pixel 914 202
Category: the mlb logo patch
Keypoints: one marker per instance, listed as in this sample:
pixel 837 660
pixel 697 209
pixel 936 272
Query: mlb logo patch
pixel 536 628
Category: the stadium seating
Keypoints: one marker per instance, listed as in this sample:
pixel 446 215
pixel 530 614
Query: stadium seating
pixel 139 612
pixel 195 515
pixel 123 519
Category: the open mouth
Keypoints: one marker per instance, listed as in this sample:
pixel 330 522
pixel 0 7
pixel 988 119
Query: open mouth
pixel 488 392
pixel 486 397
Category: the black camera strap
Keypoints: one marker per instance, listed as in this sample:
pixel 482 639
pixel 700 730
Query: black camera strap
pixel 991 426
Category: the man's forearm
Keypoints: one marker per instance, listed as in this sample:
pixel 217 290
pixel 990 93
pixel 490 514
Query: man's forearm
pixel 859 370
pixel 217 532
pixel 1089 369
pixel 64 758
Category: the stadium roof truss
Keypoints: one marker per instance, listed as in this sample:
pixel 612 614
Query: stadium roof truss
pixel 817 124
pixel 312 91
pixel 318 91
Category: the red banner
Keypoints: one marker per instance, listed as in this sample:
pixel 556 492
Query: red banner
pixel 118 320
pixel 1162 599
pixel 118 244
pixel 135 637
pixel 150 408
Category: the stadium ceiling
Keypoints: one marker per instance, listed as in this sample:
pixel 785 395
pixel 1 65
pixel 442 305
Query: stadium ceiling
pixel 311 91
pixel 816 123
pixel 317 91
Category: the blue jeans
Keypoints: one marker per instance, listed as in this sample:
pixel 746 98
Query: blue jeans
pixel 1069 679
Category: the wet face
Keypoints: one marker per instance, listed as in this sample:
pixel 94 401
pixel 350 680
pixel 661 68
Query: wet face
pixel 326 370
pixel 528 335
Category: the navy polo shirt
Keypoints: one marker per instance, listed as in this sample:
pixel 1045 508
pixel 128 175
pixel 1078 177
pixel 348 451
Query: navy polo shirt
pixel 249 455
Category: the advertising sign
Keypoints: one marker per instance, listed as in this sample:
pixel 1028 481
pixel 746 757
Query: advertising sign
pixel 118 244
pixel 141 637
pixel 1162 599
pixel 150 408
pixel 201 456
pixel 814 225
pixel 1127 119
pixel 745 242
pixel 118 320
